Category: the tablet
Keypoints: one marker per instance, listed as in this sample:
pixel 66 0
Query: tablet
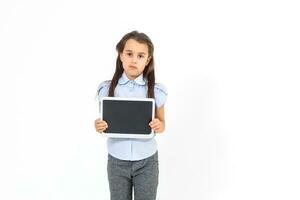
pixel 128 117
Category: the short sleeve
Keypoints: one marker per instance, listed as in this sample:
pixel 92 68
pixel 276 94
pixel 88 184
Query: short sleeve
pixel 102 90
pixel 160 94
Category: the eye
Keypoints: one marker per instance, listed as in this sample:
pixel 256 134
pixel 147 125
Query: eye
pixel 141 56
pixel 129 54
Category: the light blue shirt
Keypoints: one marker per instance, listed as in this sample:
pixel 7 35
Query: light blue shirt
pixel 128 148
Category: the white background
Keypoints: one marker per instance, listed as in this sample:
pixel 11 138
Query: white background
pixel 232 114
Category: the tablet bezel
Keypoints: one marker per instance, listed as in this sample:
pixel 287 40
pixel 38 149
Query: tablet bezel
pixel 128 135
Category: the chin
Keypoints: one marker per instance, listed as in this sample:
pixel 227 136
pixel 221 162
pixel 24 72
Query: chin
pixel 134 74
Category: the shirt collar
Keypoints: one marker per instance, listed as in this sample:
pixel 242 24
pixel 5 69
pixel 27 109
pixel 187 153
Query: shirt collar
pixel 139 80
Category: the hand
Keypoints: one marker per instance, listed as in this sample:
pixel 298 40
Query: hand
pixel 157 125
pixel 100 125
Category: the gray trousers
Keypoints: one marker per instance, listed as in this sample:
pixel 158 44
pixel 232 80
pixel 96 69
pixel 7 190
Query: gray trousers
pixel 142 175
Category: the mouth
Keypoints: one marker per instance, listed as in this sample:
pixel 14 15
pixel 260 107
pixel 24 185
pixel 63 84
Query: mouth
pixel 132 67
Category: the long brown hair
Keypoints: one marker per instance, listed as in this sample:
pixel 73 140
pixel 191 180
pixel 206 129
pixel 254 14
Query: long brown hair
pixel 148 72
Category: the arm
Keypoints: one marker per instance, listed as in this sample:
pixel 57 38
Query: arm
pixel 158 123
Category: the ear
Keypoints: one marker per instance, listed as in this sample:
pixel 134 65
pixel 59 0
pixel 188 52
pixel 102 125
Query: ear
pixel 148 60
pixel 121 57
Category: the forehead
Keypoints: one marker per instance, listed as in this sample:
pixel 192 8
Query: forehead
pixel 135 46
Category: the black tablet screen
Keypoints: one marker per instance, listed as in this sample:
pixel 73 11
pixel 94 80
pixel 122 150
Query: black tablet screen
pixel 127 117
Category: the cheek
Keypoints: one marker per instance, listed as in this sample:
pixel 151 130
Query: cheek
pixel 123 59
pixel 144 63
pixel 124 62
pixel 142 67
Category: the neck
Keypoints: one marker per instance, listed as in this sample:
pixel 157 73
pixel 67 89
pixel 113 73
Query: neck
pixel 131 77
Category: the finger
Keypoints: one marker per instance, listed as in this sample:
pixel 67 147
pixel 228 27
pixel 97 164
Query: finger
pixel 153 121
pixel 101 122
pixel 156 124
pixel 152 125
pixel 101 127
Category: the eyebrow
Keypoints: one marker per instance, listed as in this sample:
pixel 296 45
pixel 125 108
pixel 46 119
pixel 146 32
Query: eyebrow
pixel 138 52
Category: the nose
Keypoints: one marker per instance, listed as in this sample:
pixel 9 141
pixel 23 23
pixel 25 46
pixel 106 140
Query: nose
pixel 134 59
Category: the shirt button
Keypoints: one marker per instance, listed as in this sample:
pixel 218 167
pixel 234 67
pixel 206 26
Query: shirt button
pixel 131 86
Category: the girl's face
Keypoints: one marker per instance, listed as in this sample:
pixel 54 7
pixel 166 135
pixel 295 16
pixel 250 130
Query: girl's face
pixel 134 58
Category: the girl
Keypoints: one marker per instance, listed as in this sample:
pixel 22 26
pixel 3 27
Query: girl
pixel 133 163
